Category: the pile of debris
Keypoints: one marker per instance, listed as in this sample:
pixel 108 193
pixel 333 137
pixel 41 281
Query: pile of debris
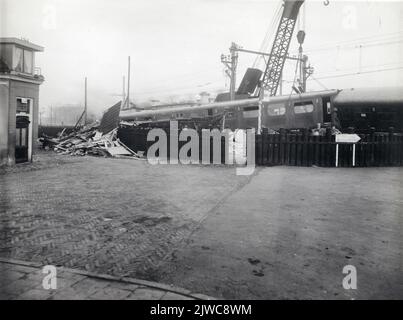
pixel 88 141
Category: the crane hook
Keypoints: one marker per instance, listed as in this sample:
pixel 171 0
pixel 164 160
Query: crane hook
pixel 326 2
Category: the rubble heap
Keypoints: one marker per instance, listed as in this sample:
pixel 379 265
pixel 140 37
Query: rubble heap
pixel 88 141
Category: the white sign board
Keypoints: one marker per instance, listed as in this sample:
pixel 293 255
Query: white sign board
pixel 347 138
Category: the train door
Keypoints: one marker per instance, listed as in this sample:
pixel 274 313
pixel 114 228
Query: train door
pixel 326 110
pixel 250 116
pixel 304 115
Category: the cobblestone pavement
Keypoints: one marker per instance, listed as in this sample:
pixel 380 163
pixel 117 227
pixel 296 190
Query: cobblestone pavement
pixel 282 233
pixel 23 281
pixel 114 216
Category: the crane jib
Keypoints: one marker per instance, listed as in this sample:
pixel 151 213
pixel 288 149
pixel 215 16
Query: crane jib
pixel 291 9
pixel 282 40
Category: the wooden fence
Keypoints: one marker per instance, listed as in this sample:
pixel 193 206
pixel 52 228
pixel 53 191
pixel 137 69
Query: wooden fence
pixel 300 149
pixel 136 139
pixel 53 131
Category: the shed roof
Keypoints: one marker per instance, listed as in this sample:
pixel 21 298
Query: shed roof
pixel 22 43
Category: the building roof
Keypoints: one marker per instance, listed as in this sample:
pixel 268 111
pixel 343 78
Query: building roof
pixel 388 95
pixel 23 43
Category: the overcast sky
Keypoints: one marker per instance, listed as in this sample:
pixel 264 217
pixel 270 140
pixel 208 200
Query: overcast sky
pixel 175 45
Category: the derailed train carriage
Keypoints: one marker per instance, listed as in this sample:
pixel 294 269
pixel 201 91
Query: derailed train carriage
pixel 349 110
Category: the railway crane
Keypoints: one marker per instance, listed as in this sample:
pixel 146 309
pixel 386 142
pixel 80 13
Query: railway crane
pixel 269 79
pixel 274 68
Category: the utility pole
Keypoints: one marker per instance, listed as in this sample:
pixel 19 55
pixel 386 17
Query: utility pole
pixel 231 63
pixel 304 74
pixel 304 70
pixel 234 63
pixel 128 84
pixel 123 87
pixel 85 102
pixel 123 103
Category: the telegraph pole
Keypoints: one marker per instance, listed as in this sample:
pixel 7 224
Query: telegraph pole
pixel 122 105
pixel 305 70
pixel 85 102
pixel 128 84
pixel 124 91
pixel 231 63
pixel 234 63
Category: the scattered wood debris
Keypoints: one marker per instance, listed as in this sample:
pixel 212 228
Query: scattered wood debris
pixel 89 141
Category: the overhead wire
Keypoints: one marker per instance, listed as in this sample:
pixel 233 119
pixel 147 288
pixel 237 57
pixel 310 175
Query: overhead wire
pixel 349 74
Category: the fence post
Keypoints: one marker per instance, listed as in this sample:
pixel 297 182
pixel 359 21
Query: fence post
pixel 282 146
pixel 265 146
pixel 328 147
pixel 258 151
pixel 391 147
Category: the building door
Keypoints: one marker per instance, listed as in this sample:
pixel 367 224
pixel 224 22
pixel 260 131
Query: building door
pixel 22 139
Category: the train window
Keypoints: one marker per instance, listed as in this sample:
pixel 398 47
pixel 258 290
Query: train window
pixel 303 107
pixel 276 110
pixel 210 112
pixel 250 108
pixel 251 112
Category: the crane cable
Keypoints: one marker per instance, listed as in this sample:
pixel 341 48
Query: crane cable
pixel 301 17
pixel 269 34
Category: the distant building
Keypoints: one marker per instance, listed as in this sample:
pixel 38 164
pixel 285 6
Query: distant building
pixel 204 97
pixel 19 97
pixel 66 115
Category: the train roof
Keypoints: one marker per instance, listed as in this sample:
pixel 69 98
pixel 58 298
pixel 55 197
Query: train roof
pixel 359 96
pixel 131 114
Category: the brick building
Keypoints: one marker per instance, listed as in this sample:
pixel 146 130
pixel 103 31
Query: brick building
pixel 19 98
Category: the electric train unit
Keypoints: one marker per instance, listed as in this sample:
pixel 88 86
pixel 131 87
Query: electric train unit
pixel 358 110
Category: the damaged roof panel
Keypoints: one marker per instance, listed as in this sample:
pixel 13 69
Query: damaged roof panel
pixel 110 119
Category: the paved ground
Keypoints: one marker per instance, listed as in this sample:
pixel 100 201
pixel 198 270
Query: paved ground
pixel 290 231
pixel 281 233
pixel 24 281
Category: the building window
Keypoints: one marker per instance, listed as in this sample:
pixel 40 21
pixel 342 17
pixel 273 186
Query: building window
pixel 303 107
pixel 23 105
pixel 28 61
pixel 276 110
pixel 18 60
pixel 23 60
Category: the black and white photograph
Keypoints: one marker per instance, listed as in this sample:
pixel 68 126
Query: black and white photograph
pixel 216 151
